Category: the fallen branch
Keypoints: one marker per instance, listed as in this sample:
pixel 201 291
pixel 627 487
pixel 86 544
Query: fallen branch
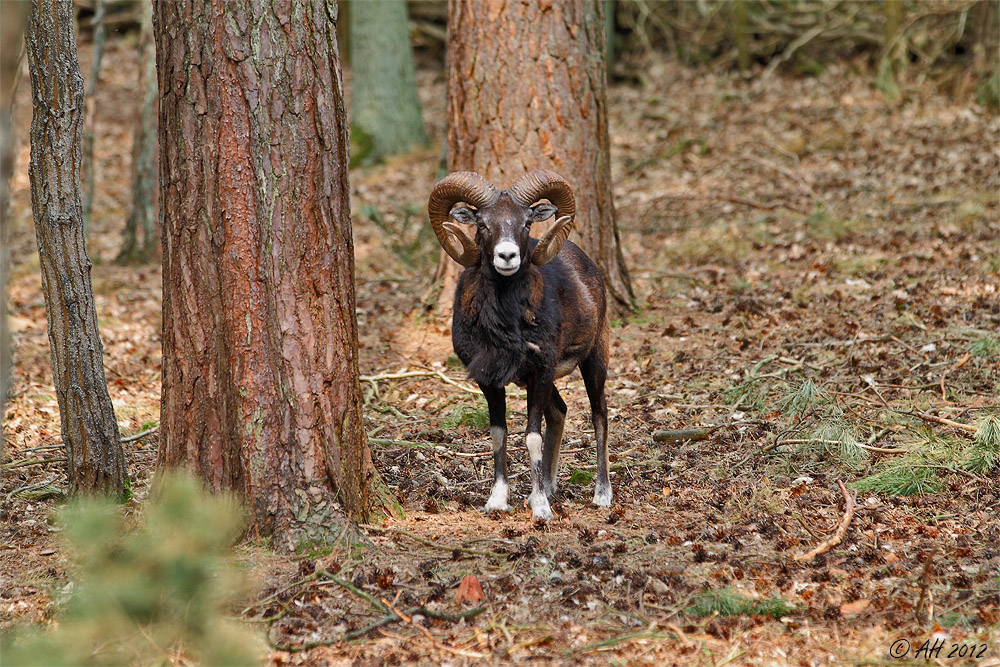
pixel 408 619
pixel 684 434
pixel 392 617
pixel 430 543
pixel 940 420
pixel 838 535
pixel 143 434
pixel 32 462
pixel 374 379
pixel 925 585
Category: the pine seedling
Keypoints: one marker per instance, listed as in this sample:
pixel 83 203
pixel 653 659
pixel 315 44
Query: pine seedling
pixel 749 394
pixel 803 399
pixel 729 602
pixel 836 441
pixel 986 346
pixel 902 479
pixel 152 594
pixel 985 454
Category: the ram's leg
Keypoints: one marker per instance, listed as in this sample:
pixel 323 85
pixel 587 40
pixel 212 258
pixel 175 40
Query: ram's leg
pixel 555 419
pixel 595 372
pixel 497 401
pixel 538 402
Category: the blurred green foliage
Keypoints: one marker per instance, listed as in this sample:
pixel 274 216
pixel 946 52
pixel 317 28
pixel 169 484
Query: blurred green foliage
pixel 149 591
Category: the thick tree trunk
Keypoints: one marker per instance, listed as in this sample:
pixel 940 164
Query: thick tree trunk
pixel 95 460
pixel 141 237
pixel 260 370
pixel 527 90
pixel 385 109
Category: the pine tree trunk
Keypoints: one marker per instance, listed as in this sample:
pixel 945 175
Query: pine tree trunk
pixel 12 17
pixel 95 460
pixel 260 371
pixel 90 121
pixel 141 236
pixel 385 109
pixel 527 90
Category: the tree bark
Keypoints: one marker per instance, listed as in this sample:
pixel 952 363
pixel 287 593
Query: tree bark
pixel 141 237
pixel 260 371
pixel 90 121
pixel 12 15
pixel 95 460
pixel 385 109
pixel 527 90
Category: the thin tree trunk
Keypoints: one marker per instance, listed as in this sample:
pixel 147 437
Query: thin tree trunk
pixel 527 90
pixel 385 109
pixel 141 237
pixel 95 460
pixel 260 371
pixel 91 118
pixel 12 17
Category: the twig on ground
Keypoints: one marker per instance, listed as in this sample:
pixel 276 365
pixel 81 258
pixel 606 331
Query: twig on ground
pixel 430 543
pixel 684 434
pixel 392 617
pixel 408 619
pixel 838 535
pixel 143 434
pixel 374 379
pixel 939 420
pixel 32 462
pixel 821 441
pixel 925 585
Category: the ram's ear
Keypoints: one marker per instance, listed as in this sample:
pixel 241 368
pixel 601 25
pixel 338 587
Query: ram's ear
pixel 464 214
pixel 540 212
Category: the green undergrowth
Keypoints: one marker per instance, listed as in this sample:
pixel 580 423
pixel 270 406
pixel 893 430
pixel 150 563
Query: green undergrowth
pixel 730 602
pixel 472 416
pixel 148 590
pixel 931 456
pixel 818 432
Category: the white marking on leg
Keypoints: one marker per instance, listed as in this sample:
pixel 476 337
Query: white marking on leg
pixel 602 495
pixel 534 443
pixel 540 510
pixel 498 433
pixel 498 498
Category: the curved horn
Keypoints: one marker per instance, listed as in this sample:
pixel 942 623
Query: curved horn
pixel 461 186
pixel 542 184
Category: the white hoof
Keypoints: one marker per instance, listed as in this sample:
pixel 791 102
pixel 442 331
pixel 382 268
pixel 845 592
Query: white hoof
pixel 498 498
pixel 540 510
pixel 496 506
pixel 602 497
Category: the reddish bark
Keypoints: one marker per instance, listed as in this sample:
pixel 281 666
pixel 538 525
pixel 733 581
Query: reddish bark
pixel 527 90
pixel 260 371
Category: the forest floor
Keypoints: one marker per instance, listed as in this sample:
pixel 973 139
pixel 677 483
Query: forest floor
pixel 817 278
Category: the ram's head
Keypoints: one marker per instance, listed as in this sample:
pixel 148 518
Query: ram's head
pixel 475 222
